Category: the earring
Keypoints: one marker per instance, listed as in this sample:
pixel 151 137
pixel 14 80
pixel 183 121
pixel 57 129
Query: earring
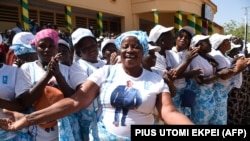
pixel 162 43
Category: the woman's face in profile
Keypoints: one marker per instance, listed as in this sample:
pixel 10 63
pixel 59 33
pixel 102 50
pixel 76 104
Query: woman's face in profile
pixel 166 41
pixel 131 52
pixel 205 46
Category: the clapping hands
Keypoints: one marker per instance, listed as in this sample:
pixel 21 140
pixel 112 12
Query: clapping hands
pixel 53 66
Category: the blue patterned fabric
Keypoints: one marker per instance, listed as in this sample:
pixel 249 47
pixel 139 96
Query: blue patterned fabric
pixel 88 121
pixel 21 135
pixel 178 98
pixel 69 129
pixel 221 96
pixel 20 49
pixel 104 135
pixel 140 35
pixel 204 105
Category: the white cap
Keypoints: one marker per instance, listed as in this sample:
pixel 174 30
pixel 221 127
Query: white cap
pixel 21 43
pixel 156 32
pixel 105 42
pixel 23 38
pixel 155 48
pixel 216 39
pixel 234 46
pixel 198 38
pixel 188 29
pixel 80 33
pixel 63 42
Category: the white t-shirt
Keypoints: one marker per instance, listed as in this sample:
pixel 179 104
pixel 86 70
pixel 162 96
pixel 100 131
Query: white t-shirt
pixel 176 59
pixel 223 63
pixel 7 86
pixel 237 79
pixel 206 68
pixel 147 86
pixel 163 63
pixel 79 72
pixel 81 69
pixel 160 63
pixel 28 75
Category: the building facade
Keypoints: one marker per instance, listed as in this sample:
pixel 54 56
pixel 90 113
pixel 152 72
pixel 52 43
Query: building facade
pixel 107 16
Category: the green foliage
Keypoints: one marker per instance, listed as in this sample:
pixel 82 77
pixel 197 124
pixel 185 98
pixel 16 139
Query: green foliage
pixel 236 29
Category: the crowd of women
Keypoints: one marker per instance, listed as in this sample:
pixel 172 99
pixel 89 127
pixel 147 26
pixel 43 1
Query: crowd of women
pixel 59 88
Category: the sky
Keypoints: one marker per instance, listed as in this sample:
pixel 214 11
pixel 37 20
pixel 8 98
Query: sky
pixel 228 10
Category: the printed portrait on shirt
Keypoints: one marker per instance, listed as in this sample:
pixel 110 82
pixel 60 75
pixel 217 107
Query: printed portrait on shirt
pixel 124 98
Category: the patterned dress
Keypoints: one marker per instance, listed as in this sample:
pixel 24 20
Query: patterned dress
pixel 87 117
pixel 239 102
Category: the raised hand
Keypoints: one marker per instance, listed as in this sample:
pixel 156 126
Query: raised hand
pixel 113 58
pixel 192 53
pixel 195 72
pixel 172 74
pixel 53 66
pixel 169 77
pixel 241 64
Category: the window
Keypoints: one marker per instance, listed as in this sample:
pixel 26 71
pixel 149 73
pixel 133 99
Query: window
pixel 9 13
